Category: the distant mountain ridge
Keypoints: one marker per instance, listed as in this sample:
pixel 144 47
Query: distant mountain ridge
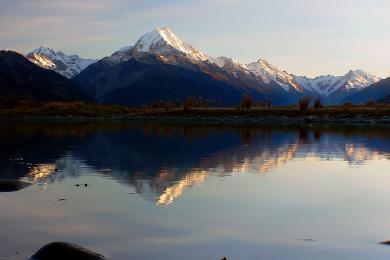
pixel 21 79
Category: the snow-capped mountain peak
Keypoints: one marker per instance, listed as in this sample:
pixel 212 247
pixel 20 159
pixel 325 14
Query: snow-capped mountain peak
pixel 66 65
pixel 162 41
pixel 146 42
pixel 363 76
pixel 359 79
pixel 44 50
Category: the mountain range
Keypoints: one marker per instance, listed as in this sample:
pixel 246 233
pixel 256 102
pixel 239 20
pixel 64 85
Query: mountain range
pixel 159 66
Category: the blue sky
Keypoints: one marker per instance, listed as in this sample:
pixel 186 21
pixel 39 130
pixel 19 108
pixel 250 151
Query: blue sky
pixel 304 37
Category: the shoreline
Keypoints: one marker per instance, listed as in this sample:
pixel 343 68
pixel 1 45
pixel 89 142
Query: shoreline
pixel 221 117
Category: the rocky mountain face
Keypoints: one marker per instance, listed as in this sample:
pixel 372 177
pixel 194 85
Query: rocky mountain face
pixel 66 65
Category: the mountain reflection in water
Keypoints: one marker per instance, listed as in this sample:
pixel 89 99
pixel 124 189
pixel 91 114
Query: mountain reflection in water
pixel 162 162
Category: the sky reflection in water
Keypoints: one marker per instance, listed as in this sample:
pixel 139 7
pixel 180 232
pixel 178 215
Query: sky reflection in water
pixel 171 192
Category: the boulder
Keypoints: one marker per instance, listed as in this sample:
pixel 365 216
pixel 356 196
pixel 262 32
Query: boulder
pixel 65 251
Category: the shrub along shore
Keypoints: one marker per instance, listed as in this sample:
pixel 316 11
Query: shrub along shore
pixel 78 111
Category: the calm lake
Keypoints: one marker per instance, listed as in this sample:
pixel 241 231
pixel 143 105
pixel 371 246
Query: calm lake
pixel 133 191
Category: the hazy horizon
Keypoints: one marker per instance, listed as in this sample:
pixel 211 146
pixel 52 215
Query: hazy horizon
pixel 308 38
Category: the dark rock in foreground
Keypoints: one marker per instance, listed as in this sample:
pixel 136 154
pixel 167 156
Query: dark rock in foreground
pixel 65 251
pixel 12 185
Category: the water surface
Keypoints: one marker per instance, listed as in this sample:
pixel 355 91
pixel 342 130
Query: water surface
pixel 181 192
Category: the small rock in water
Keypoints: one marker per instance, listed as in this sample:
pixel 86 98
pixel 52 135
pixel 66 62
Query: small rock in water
pixel 386 242
pixel 308 239
pixel 65 251
pixel 224 258
pixel 78 185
